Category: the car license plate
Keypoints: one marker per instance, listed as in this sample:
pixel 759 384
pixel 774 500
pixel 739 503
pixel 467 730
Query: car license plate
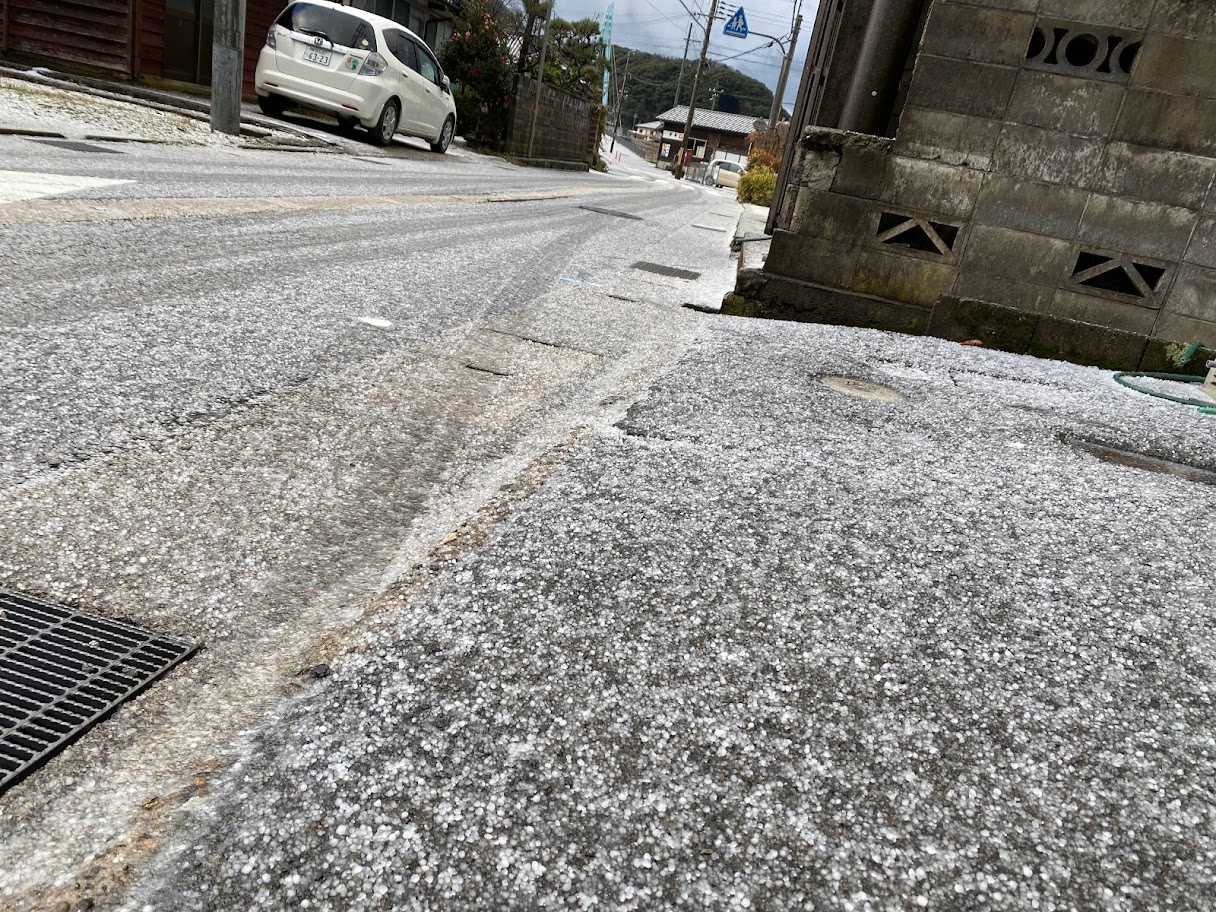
pixel 321 57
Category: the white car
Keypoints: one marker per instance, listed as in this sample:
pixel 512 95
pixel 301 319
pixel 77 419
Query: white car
pixel 358 66
pixel 724 173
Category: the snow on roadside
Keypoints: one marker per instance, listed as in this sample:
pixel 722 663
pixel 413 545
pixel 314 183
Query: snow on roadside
pixel 29 106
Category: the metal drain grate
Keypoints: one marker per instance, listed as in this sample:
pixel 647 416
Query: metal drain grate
pixel 75 146
pixel 617 213
pixel 666 270
pixel 62 671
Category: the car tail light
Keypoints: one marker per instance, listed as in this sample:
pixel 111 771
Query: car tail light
pixel 374 65
pixel 271 41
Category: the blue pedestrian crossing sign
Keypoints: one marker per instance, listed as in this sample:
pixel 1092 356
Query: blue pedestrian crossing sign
pixel 736 25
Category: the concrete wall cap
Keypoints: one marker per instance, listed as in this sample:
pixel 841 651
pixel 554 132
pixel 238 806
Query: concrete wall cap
pixel 839 140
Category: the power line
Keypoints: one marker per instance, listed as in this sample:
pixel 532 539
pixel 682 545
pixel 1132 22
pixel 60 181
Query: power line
pixel 663 14
pixel 699 12
pixel 741 53
pixel 617 22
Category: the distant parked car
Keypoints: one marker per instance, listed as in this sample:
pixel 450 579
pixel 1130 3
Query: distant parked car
pixel 723 173
pixel 358 66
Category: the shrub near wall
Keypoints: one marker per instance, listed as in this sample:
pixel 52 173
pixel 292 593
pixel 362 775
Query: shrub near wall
pixel 478 58
pixel 759 182
pixel 757 185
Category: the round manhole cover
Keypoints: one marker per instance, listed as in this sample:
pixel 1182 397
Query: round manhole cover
pixel 862 389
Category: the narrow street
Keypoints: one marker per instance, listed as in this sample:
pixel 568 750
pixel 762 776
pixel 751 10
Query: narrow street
pixel 246 391
pixel 522 585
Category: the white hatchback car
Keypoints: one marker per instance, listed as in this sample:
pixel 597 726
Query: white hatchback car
pixel 358 66
pixel 724 173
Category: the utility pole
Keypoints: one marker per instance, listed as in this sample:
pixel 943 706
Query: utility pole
pixel 683 63
pixel 227 66
pixel 616 106
pixel 620 97
pixel 678 171
pixel 540 75
pixel 775 114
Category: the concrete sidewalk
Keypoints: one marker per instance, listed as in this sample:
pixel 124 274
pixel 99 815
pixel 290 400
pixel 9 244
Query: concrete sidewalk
pixel 72 106
pixel 768 643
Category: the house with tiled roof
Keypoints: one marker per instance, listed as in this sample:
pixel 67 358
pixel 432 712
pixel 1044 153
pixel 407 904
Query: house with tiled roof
pixel 649 131
pixel 715 134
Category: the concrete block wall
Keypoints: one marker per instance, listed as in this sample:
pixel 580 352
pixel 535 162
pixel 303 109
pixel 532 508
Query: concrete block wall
pixel 1056 156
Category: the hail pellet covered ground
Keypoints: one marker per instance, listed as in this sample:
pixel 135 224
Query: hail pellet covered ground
pixel 770 645
pixel 27 105
pixel 245 392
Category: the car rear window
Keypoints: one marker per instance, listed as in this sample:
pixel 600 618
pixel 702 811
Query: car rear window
pixel 339 27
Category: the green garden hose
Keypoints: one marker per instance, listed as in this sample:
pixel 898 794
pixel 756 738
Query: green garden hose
pixel 1206 406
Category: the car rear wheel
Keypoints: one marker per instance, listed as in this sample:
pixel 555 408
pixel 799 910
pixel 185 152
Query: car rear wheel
pixel 386 126
pixel 445 136
pixel 272 105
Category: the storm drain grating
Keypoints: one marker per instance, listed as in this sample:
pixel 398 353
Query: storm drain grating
pixel 666 270
pixel 616 212
pixel 75 146
pixel 62 671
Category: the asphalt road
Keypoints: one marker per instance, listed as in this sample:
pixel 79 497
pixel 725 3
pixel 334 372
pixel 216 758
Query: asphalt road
pixel 246 391
pixel 624 606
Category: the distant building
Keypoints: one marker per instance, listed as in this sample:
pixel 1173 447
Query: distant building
pixel 1055 159
pixel 167 39
pixel 713 132
pixel 650 131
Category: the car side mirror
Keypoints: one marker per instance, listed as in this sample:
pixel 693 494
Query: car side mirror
pixel 447 84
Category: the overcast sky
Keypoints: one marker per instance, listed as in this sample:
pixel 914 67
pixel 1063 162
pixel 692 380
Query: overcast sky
pixel 660 26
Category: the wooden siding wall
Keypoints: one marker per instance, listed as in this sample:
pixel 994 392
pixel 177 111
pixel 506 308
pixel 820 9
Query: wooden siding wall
pixel 258 16
pixel 93 32
pixel 151 60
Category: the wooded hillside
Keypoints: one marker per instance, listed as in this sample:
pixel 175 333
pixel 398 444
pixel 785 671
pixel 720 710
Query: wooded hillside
pixel 651 87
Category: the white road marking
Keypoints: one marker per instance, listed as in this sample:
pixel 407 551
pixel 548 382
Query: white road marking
pixel 28 185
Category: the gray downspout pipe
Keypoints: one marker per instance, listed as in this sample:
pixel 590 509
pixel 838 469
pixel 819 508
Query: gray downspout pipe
pixel 888 38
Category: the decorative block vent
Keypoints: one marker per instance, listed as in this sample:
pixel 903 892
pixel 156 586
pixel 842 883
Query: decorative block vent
pixel 1119 275
pixel 1073 49
pixel 913 233
pixel 62 671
